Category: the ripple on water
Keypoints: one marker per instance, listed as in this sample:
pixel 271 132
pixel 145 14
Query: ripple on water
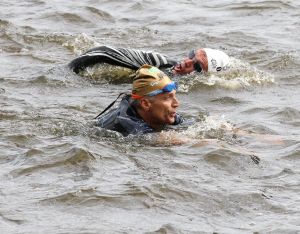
pixel 48 81
pixel 168 228
pixel 256 6
pixel 233 160
pixel 8 115
pixel 248 202
pixel 281 62
pixel 279 173
pixel 289 115
pixel 74 159
pixel 131 198
pixel 257 129
pixel 227 101
pixel 57 38
pixel 100 14
pixel 291 152
pixel 10 220
pixel 255 110
pixel 68 17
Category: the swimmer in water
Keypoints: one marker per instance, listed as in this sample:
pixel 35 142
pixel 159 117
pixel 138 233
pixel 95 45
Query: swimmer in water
pixel 202 60
pixel 199 60
pixel 149 108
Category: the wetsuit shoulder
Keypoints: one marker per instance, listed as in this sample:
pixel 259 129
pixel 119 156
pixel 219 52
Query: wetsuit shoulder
pixel 124 119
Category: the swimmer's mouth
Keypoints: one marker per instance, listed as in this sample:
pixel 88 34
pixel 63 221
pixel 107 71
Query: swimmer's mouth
pixel 178 67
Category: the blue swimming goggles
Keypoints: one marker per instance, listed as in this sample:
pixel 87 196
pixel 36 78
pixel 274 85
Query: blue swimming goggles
pixel 167 89
pixel 197 65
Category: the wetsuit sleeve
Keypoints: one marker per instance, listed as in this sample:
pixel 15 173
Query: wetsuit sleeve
pixel 129 58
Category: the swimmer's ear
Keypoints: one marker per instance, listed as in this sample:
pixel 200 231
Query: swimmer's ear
pixel 145 104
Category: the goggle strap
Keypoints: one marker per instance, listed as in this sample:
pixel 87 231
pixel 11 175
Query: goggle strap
pixel 155 92
pixel 109 106
pixel 135 96
pixel 191 54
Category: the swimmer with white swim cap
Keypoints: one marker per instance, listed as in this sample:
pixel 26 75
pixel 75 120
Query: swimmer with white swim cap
pixel 203 60
pixel 199 60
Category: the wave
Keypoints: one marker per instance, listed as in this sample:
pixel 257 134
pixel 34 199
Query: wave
pixel 71 159
pixel 8 115
pixel 91 197
pixel 257 128
pixel 256 6
pixel 8 220
pixel 289 115
pixel 67 17
pixel 282 61
pixel 291 152
pixel 57 76
pixel 227 101
pixel 100 14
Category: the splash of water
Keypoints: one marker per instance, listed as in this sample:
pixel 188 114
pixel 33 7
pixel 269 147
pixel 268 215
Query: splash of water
pixel 108 73
pixel 209 127
pixel 81 43
pixel 240 75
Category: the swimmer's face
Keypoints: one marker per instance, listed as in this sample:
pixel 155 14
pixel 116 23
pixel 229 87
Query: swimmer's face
pixel 161 109
pixel 184 67
pixel 194 63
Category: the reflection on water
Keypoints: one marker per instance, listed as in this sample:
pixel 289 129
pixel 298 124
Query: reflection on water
pixel 233 170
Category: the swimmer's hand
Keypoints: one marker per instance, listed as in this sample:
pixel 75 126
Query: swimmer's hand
pixel 171 138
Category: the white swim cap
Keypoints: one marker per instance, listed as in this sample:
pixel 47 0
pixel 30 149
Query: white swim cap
pixel 217 60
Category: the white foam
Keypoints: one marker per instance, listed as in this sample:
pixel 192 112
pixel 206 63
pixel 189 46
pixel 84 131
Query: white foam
pixel 211 125
pixel 240 75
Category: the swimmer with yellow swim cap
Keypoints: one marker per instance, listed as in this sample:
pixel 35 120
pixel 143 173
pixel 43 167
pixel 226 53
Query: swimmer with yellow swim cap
pixel 149 108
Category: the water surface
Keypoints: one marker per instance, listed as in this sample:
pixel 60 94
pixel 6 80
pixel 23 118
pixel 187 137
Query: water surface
pixel 237 172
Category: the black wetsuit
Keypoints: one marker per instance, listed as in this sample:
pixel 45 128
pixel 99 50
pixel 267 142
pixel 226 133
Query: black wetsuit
pixel 129 58
pixel 125 119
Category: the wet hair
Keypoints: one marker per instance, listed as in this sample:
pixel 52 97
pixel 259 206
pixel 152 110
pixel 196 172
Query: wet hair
pixel 135 103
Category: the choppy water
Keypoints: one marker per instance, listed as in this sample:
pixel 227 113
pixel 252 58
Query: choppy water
pixel 59 174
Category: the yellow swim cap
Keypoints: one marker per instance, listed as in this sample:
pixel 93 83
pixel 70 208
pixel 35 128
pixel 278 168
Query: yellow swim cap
pixel 148 79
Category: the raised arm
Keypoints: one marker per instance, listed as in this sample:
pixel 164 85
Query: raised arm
pixel 129 58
